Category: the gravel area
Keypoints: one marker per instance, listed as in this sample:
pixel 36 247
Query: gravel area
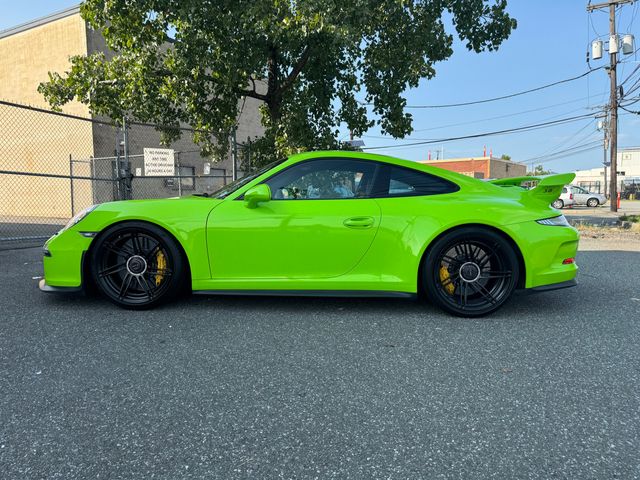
pixel 603 238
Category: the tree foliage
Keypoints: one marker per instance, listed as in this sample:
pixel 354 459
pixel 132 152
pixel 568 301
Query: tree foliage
pixel 539 170
pixel 308 61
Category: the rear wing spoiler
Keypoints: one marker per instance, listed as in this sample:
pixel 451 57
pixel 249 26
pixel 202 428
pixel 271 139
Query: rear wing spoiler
pixel 547 190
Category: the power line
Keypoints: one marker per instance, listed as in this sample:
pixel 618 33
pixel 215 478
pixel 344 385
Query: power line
pixel 635 112
pixel 477 121
pixel 485 119
pixel 569 139
pixel 630 75
pixel 487 134
pixel 486 100
pixel 576 149
pixel 572 153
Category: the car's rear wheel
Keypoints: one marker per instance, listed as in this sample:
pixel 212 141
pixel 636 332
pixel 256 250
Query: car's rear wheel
pixel 558 204
pixel 137 265
pixel 470 272
pixel 593 202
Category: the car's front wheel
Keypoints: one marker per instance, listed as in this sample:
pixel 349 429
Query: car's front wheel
pixel 558 204
pixel 136 265
pixel 593 202
pixel 470 272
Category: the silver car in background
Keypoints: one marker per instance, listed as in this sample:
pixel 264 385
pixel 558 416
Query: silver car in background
pixel 574 195
pixel 565 199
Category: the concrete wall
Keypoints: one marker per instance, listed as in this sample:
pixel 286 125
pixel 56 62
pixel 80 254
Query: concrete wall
pixel 504 168
pixel 37 142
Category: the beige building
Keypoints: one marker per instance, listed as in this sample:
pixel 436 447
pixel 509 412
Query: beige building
pixel 34 141
pixel 628 170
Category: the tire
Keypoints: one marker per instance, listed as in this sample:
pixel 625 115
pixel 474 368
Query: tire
pixel 593 202
pixel 470 272
pixel 137 265
pixel 558 204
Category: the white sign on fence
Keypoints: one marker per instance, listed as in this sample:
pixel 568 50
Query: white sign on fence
pixel 159 162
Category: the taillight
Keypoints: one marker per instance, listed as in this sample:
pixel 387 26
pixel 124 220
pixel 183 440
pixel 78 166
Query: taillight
pixel 568 261
pixel 571 196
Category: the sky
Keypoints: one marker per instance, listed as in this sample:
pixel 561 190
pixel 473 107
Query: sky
pixel 549 45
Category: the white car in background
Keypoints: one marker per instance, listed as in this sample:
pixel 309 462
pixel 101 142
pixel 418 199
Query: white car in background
pixel 574 195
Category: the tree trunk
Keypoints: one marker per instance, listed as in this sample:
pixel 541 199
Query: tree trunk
pixel 274 97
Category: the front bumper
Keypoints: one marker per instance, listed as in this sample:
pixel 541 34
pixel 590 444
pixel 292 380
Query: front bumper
pixel 42 285
pixel 63 258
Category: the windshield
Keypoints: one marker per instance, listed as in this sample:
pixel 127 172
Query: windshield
pixel 236 184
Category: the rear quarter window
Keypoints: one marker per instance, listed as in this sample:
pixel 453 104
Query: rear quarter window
pixel 395 181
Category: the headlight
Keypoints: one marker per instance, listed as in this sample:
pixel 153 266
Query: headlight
pixel 78 217
pixel 559 221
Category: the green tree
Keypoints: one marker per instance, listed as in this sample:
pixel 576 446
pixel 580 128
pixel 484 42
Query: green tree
pixel 539 170
pixel 504 156
pixel 193 61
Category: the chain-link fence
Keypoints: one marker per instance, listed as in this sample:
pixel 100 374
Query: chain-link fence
pixel 53 165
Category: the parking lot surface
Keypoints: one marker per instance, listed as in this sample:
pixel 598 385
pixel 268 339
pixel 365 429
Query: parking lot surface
pixel 241 387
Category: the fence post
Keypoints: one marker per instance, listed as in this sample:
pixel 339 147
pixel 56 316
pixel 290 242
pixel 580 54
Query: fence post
pixel 179 177
pixel 118 184
pixel 248 148
pixel 234 157
pixel 127 167
pixel 73 209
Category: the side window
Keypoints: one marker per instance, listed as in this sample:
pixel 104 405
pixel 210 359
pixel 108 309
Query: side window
pixel 394 181
pixel 324 179
pixel 564 189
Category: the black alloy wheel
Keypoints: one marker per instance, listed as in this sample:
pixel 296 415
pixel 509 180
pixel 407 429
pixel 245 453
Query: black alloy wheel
pixel 136 265
pixel 471 272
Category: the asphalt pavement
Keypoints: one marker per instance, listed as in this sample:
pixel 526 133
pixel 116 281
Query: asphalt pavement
pixel 241 387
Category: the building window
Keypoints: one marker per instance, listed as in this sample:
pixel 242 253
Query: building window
pixel 591 187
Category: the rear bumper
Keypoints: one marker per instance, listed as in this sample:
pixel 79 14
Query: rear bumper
pixel 553 286
pixel 544 249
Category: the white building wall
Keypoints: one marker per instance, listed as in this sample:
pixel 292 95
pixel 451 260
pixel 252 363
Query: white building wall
pixel 628 171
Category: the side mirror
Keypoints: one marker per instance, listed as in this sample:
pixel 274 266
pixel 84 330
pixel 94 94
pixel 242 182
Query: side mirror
pixel 257 194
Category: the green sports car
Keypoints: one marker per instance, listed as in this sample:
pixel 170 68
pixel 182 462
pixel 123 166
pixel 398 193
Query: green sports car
pixel 329 223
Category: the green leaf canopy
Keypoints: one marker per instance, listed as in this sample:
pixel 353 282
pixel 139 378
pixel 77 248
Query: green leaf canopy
pixel 308 61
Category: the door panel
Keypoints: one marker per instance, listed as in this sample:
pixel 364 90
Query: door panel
pixel 290 239
pixel 579 196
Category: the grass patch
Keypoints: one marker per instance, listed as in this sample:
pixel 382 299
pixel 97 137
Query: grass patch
pixel 630 218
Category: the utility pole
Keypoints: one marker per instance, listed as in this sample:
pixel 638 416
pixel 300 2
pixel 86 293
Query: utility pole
pixel 604 126
pixel 613 147
pixel 604 163
pixel 613 102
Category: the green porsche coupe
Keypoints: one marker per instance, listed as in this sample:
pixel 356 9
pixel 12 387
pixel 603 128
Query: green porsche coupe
pixel 329 223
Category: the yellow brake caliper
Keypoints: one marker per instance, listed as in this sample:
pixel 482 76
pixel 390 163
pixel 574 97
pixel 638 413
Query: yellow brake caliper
pixel 444 276
pixel 161 262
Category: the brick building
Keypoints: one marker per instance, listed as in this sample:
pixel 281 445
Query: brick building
pixel 480 167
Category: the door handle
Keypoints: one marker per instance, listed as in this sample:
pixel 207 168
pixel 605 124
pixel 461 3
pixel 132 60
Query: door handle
pixel 358 222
